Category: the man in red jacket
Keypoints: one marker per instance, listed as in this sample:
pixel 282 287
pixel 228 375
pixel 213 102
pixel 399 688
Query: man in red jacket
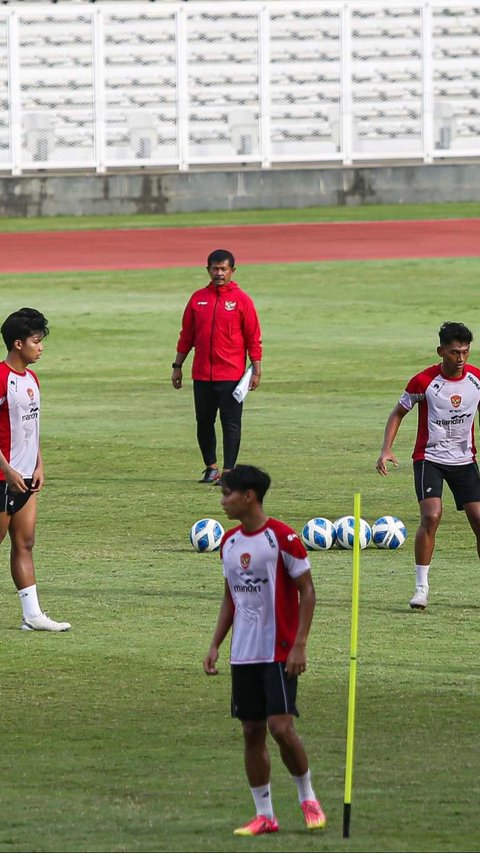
pixel 220 323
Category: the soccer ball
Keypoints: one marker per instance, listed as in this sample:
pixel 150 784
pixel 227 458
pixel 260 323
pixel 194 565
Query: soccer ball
pixel 206 534
pixel 318 534
pixel 345 527
pixel 388 532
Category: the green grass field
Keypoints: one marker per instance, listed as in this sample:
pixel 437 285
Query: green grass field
pixel 112 738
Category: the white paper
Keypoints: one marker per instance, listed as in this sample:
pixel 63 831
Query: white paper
pixel 241 390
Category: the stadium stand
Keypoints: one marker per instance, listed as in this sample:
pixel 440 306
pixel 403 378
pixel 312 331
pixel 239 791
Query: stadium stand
pixel 115 88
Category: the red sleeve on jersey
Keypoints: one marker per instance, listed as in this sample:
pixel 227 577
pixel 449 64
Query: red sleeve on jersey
pixel 288 539
pixel 419 383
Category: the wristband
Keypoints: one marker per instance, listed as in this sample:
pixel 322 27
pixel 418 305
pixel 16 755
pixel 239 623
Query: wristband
pixel 176 366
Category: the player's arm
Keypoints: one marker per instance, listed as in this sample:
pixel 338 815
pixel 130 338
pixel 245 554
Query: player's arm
pixel 392 426
pixel 224 623
pixel 38 476
pixel 297 656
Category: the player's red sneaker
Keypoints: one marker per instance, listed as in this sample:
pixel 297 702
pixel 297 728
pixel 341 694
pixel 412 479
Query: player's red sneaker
pixel 313 814
pixel 258 826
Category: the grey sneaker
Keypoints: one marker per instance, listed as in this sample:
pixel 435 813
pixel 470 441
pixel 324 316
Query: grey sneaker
pixel 420 599
pixel 43 623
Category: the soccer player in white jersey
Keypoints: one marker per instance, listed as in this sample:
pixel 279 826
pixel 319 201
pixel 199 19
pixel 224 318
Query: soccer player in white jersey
pixel 448 397
pixel 268 602
pixel 21 467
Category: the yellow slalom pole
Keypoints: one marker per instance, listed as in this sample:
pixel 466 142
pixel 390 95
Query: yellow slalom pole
pixel 347 800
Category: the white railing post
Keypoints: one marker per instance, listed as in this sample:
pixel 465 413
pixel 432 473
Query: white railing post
pixel 182 88
pixel 99 134
pixel 427 84
pixel 346 118
pixel 14 107
pixel 264 79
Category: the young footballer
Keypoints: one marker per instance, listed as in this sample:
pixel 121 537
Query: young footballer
pixel 268 602
pixel 21 467
pixel 448 396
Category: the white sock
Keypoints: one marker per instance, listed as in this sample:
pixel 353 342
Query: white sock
pixel 29 601
pixel 421 574
pixel 263 800
pixel 304 786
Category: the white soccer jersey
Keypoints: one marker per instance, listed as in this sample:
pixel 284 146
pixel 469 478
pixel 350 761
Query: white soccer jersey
pixel 260 568
pixel 19 419
pixel 446 414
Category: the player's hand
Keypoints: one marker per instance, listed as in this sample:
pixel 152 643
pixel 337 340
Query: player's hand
pixel 38 480
pixel 15 481
pixel 381 464
pixel 210 661
pixel 296 662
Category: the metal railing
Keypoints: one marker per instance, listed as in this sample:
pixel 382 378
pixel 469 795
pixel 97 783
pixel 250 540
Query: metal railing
pixel 182 85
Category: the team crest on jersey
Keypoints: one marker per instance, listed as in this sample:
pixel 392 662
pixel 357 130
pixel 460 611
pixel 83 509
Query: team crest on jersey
pixel 230 306
pixel 455 400
pixel 30 393
pixel 245 561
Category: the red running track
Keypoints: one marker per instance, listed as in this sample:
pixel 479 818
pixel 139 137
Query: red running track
pixel 49 251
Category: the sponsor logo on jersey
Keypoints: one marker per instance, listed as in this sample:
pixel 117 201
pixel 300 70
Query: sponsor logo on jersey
pixel 292 536
pixel 230 306
pixel 250 585
pixel 455 400
pixel 245 561
pixel 269 539
pixel 473 380
pixel 457 420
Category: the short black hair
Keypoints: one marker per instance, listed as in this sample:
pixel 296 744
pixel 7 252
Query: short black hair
pixel 454 332
pixel 245 477
pixel 220 255
pixel 22 324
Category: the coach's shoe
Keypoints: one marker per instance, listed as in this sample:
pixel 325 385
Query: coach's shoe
pixel 219 481
pixel 258 826
pixel 210 475
pixel 313 814
pixel 420 599
pixel 43 623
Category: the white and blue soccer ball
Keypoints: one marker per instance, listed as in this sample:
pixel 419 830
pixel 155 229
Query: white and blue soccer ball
pixel 206 534
pixel 388 532
pixel 318 534
pixel 345 530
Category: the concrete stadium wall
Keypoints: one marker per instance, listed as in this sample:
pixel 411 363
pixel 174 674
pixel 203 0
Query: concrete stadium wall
pixel 167 192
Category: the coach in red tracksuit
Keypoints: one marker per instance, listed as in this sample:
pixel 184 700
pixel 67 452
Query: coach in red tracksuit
pixel 220 323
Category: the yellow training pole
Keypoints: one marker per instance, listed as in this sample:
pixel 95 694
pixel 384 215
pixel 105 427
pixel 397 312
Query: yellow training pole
pixel 347 800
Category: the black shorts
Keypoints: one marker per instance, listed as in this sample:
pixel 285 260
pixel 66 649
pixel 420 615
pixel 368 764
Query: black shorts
pixel 463 481
pixel 12 502
pixel 260 690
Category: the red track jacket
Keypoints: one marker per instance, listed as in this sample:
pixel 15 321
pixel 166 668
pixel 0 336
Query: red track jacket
pixel 221 323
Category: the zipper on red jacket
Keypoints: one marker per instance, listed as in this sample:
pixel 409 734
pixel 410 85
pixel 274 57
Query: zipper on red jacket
pixel 211 332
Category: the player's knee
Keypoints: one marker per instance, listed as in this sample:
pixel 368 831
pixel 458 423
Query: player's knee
pixel 431 519
pixel 23 545
pixel 281 729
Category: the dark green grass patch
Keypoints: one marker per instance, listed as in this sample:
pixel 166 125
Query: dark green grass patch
pixel 361 213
